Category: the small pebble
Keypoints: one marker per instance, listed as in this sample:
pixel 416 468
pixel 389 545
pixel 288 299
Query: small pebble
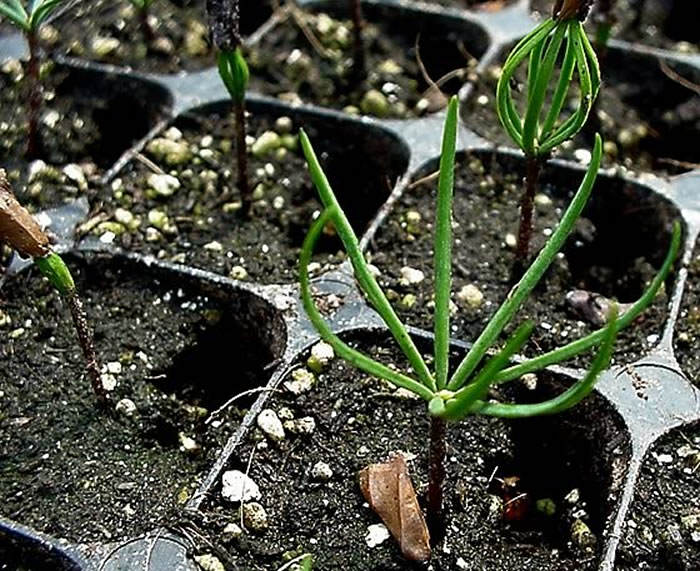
pixel 321 471
pixel 376 535
pixel 127 407
pixel 411 276
pixel 301 426
pixel 321 355
pixel 302 381
pixel 237 487
pixel 255 516
pixel 470 296
pixel 271 425
pixel 209 562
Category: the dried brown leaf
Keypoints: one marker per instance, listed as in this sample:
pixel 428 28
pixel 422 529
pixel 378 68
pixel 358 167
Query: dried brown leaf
pixel 388 490
pixel 17 227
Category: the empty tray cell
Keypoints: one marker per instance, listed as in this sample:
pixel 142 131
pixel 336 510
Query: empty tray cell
pixel 172 348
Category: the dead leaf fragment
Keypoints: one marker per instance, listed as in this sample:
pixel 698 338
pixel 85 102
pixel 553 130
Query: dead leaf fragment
pixel 388 489
pixel 17 227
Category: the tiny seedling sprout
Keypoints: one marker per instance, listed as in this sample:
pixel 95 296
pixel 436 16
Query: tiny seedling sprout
pixel 29 21
pixel 539 130
pixel 22 233
pixel 451 397
pixel 224 22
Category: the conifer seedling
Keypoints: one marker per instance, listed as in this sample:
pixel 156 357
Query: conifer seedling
pixel 224 23
pixel 22 233
pixel 29 22
pixel 452 395
pixel 538 130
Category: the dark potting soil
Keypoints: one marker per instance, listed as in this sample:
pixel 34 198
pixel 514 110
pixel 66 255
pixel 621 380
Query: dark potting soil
pixel 287 65
pixel 669 24
pixel 76 472
pixel 663 525
pixel 360 420
pixel 687 332
pixel 113 32
pixel 613 251
pixel 648 121
pixel 205 227
pixel 81 122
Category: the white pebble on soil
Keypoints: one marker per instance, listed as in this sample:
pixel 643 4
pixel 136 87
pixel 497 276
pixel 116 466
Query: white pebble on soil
pixel 209 562
pixel 321 471
pixel 237 487
pixel 302 381
pixel 376 535
pixel 270 424
pixel 411 276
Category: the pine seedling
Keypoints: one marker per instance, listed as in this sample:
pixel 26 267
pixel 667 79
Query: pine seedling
pixel 29 22
pixel 539 130
pixel 465 391
pixel 143 10
pixel 22 233
pixel 224 23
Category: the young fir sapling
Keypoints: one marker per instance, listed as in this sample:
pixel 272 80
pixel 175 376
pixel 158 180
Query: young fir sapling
pixel 224 23
pixel 143 9
pixel 29 22
pixel 539 131
pixel 22 233
pixel 451 397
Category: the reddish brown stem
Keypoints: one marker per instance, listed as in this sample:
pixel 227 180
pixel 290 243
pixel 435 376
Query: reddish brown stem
pixel 358 24
pixel 242 157
pixel 34 99
pixel 522 251
pixel 436 479
pixel 87 345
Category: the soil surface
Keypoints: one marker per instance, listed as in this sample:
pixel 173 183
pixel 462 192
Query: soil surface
pixel 76 472
pixel 204 226
pixel 286 64
pixel 663 525
pixel 647 120
pixel 359 420
pixel 486 206
pixel 81 124
pixel 687 338
pixel 113 32
pixel 668 24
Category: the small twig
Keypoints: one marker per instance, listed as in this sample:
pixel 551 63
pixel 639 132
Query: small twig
pixel 428 178
pixel 148 163
pixel 151 547
pixel 677 163
pixel 233 399
pixel 492 476
pixel 515 499
pixel 247 471
pixel 298 17
pixel 677 77
pixel 288 564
